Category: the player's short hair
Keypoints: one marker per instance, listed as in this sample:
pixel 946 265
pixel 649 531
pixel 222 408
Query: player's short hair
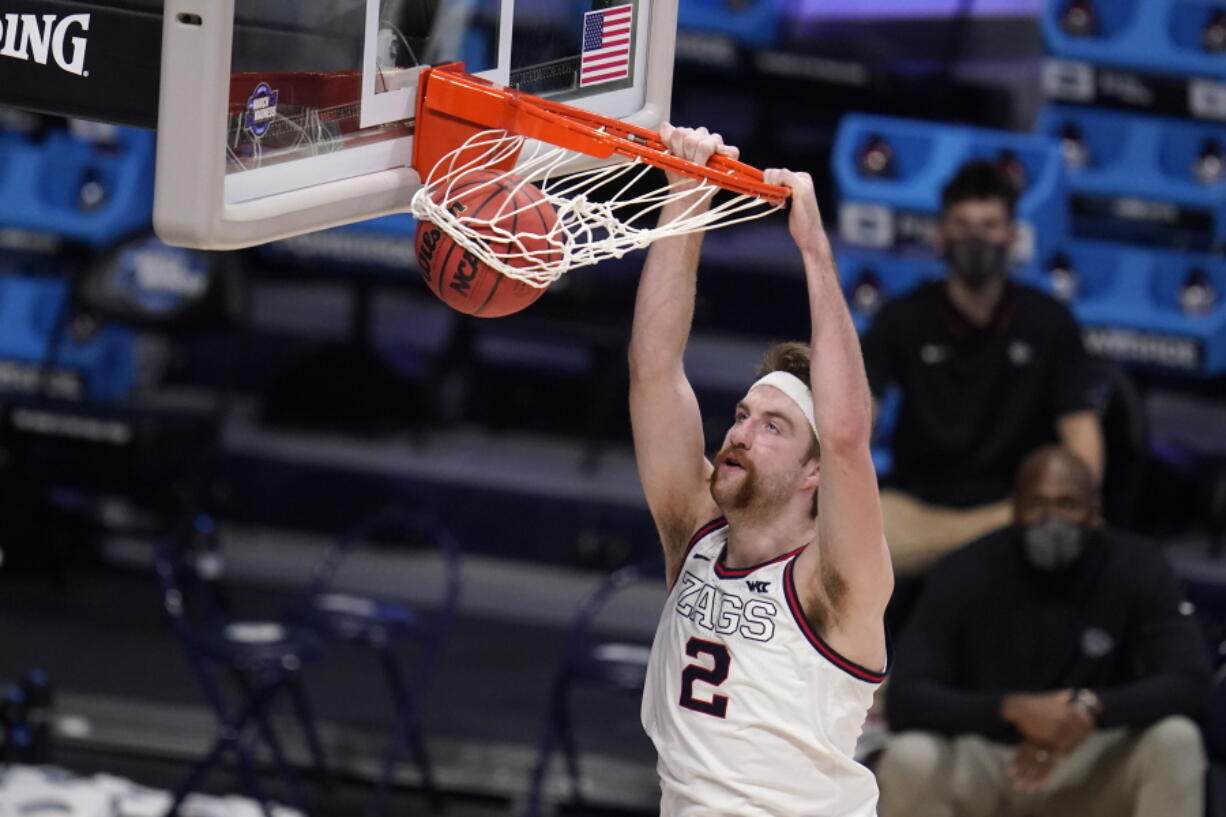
pixel 980 180
pixel 791 357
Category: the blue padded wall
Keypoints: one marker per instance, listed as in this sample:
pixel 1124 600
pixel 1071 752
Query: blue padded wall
pixel 1136 177
pixel 897 208
pixel 755 24
pixel 1159 36
pixel 1149 308
pixel 81 190
pixel 100 367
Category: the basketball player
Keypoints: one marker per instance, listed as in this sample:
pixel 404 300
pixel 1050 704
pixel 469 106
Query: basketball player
pixel 771 643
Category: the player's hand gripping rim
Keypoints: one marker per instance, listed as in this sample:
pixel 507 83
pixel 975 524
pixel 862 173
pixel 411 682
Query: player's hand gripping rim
pixel 804 217
pixel 696 145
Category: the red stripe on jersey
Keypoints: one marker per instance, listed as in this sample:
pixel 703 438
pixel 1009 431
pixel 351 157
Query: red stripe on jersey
pixel 705 530
pixel 741 572
pixel 850 667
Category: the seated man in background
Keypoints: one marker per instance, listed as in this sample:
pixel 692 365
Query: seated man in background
pixel 988 370
pixel 1049 669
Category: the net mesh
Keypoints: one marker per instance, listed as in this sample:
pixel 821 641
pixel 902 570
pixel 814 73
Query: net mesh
pixel 602 212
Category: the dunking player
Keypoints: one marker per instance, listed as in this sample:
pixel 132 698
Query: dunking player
pixel 771 643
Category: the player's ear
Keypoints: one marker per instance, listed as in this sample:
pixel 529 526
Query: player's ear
pixel 813 473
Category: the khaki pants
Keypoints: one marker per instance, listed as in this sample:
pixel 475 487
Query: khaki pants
pixel 918 533
pixel 1157 772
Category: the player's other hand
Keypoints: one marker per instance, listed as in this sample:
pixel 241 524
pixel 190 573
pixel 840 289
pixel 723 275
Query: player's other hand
pixel 804 219
pixel 695 145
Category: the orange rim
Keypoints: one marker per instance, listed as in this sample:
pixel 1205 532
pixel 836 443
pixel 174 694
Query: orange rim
pixel 453 105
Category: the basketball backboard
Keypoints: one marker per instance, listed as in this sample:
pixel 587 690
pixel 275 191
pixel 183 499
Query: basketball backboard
pixel 278 118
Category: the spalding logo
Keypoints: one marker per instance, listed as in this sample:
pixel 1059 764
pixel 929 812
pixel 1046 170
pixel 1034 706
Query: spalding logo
pixel 40 37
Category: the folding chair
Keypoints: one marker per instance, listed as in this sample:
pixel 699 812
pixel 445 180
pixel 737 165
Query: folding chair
pixel 385 626
pixel 612 665
pixel 262 658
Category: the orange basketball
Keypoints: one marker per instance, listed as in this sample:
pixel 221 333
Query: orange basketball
pixel 455 275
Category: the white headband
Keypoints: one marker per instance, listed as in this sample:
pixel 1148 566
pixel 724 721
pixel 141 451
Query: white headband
pixel 793 387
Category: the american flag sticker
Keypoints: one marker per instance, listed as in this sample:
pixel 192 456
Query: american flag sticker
pixel 606 45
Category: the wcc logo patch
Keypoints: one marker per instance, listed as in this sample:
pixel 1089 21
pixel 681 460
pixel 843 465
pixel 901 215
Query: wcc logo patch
pixel 261 109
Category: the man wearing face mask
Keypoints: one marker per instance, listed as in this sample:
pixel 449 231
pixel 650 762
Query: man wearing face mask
pixel 1050 669
pixel 988 370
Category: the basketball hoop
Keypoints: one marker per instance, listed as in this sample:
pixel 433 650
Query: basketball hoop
pixel 465 124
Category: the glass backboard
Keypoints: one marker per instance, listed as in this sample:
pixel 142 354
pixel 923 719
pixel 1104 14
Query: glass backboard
pixel 278 118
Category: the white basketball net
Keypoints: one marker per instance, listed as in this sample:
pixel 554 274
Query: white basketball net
pixel 601 213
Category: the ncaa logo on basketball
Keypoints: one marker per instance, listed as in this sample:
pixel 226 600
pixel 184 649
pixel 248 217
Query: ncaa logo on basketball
pixel 465 274
pixel 46 37
pixel 261 109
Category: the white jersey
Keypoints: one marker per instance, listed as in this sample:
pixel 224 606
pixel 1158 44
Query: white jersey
pixel 751 712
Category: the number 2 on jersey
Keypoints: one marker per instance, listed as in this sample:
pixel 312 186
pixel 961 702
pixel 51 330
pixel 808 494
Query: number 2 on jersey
pixel 714 675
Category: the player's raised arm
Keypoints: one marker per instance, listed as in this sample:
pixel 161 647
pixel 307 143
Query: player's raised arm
pixel 850 574
pixel 664 415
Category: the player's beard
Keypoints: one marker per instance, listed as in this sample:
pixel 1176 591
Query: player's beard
pixel 753 492
pixel 738 498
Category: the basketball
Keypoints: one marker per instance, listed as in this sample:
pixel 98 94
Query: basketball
pixel 455 275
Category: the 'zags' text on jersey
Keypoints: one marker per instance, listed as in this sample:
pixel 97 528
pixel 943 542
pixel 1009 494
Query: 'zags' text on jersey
pixel 40 37
pixel 720 611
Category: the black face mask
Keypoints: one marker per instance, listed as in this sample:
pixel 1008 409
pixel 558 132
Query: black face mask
pixel 976 262
pixel 1053 545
